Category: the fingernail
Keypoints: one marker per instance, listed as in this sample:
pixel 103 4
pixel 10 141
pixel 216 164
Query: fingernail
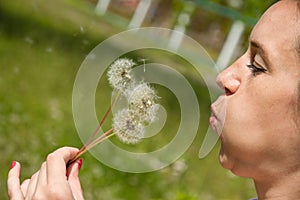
pixel 79 163
pixel 13 164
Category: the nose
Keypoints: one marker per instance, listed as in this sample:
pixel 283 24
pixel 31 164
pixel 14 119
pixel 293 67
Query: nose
pixel 229 80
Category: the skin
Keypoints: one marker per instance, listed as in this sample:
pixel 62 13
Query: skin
pixel 260 136
pixel 52 181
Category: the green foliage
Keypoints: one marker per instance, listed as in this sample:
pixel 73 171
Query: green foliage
pixel 251 8
pixel 246 11
pixel 184 196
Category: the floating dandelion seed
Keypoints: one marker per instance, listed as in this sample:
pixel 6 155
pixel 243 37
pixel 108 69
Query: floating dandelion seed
pixel 142 102
pixel 119 74
pixel 127 128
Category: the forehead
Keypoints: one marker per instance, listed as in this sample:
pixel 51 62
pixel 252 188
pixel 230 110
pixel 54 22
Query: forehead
pixel 278 29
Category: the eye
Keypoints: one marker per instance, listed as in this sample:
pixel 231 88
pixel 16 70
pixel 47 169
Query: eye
pixel 256 70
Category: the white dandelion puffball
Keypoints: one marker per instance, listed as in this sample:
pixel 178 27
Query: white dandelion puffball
pixel 127 129
pixel 142 102
pixel 119 75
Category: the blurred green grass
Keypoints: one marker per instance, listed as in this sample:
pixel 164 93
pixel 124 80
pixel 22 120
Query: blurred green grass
pixel 42 45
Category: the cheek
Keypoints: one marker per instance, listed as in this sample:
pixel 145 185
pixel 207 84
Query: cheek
pixel 256 119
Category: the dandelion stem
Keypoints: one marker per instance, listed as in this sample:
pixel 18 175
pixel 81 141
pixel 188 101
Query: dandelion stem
pixel 90 140
pixel 101 138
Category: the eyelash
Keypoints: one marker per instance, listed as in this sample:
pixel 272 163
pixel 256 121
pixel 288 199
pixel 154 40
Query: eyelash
pixel 255 70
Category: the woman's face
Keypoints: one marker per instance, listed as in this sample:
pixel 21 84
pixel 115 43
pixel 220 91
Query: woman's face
pixel 261 130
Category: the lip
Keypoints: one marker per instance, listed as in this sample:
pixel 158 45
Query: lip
pixel 214 121
pixel 213 113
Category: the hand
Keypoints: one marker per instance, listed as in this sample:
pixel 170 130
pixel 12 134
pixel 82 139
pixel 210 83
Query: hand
pixel 52 181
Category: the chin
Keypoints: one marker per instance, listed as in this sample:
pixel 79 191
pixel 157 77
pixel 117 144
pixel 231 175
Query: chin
pixel 234 166
pixel 223 159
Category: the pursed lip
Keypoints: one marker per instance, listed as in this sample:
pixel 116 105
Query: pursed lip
pixel 218 113
pixel 213 112
pixel 214 121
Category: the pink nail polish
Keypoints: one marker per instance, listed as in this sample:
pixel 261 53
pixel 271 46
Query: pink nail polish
pixel 79 163
pixel 13 164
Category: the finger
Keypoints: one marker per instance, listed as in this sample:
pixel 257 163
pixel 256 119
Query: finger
pixel 56 164
pixel 73 179
pixel 13 182
pixel 32 185
pixel 74 168
pixel 24 186
pixel 42 178
pixel 41 182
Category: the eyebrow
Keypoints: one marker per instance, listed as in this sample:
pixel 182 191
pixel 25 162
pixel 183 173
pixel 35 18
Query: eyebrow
pixel 261 51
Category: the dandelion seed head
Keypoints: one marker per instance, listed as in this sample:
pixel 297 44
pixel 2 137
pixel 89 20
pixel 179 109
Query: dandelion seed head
pixel 142 102
pixel 119 75
pixel 127 128
pixel 152 114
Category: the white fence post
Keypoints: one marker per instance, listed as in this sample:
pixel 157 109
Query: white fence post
pixel 179 29
pixel 102 6
pixel 230 45
pixel 140 14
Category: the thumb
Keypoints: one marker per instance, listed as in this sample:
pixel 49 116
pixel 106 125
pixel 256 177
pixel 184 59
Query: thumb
pixel 73 179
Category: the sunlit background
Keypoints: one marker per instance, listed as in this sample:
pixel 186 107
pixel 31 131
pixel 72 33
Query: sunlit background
pixel 42 45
